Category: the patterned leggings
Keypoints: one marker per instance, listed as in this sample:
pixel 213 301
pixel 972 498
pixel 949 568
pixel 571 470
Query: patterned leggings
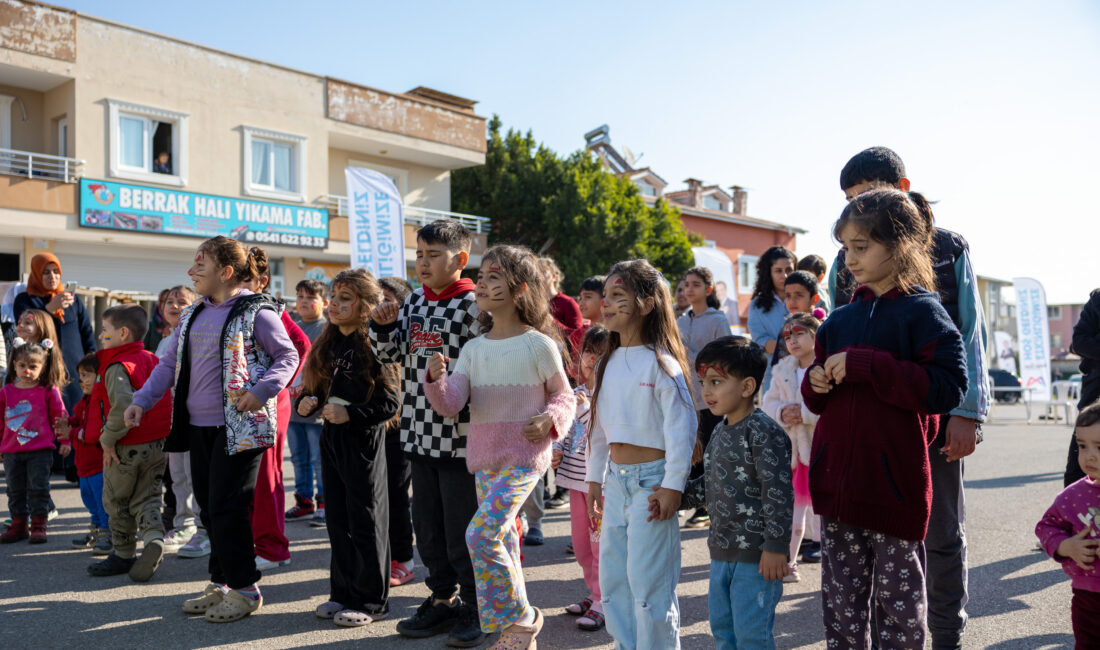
pixel 853 561
pixel 494 545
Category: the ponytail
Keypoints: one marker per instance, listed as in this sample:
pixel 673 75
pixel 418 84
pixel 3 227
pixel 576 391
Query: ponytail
pixel 231 253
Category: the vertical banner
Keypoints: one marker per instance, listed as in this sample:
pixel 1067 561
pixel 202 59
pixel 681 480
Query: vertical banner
pixel 1006 352
pixel 1033 336
pixel 376 227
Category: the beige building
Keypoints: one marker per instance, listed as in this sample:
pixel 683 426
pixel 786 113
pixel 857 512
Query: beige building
pixel 112 137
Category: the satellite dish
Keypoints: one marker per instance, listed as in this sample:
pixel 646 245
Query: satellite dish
pixel 629 155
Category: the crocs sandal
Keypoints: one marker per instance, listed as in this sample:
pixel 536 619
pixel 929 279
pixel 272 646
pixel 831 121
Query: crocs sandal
pixel 520 637
pixel 579 609
pixel 233 607
pixel 356 618
pixel 592 621
pixel 328 609
pixel 209 597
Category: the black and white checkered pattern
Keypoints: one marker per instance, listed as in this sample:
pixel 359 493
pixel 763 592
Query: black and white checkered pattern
pixel 424 328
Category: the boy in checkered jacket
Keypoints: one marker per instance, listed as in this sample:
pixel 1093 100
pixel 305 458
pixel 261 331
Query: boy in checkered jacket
pixel 438 317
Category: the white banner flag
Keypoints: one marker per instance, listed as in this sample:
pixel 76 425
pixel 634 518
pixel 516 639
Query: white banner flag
pixel 1006 352
pixel 376 227
pixel 1033 337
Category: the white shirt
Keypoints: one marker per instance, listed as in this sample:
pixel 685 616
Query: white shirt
pixel 644 403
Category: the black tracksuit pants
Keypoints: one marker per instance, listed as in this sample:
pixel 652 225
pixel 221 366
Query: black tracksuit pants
pixel 399 477
pixel 224 486
pixel 353 470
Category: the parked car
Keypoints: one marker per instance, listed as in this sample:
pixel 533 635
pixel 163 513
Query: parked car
pixel 1006 379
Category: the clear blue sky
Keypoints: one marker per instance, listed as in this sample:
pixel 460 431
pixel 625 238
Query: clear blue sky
pixel 994 106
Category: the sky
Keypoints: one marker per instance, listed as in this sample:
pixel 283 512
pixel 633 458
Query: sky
pixel 994 106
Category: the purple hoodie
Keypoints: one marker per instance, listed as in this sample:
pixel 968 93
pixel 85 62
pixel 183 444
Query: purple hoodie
pixel 1076 507
pixel 206 392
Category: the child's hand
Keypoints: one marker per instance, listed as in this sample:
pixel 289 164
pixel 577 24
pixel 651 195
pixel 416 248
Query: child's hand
pixel 697 451
pixel 791 414
pixel 249 403
pixel 555 458
pixel 1080 548
pixel 385 313
pixel 819 382
pixel 65 450
pixel 109 455
pixel 537 428
pixel 335 413
pixel 582 398
pixel 437 367
pixel 835 367
pixel 133 414
pixel 306 406
pixel 773 566
pixel 61 427
pixel 595 505
pixel 663 503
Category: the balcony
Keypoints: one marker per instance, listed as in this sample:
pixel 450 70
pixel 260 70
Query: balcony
pixel 40 165
pixel 414 216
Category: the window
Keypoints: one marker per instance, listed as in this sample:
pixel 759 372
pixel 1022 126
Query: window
pixel 277 287
pixel 1054 312
pixel 63 136
pixel 646 188
pixel 746 273
pixel 1056 342
pixel 146 144
pixel 274 164
pixel 712 202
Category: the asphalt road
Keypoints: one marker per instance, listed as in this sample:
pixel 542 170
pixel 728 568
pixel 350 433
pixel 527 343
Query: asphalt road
pixel 1019 598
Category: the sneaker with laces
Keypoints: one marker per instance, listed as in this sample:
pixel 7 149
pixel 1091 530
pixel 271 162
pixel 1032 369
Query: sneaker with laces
pixel 88 539
pixel 318 520
pixel 302 509
pixel 264 564
pixel 177 537
pixel 197 546
pixel 431 619
pixel 466 632
pixel 103 545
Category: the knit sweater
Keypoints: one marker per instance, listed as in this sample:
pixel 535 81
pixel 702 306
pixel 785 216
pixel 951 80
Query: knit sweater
pixel 574 446
pixel 746 487
pixel 904 364
pixel 1076 507
pixel 506 382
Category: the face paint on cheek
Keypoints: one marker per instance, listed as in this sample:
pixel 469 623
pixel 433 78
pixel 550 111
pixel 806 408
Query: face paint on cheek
pixel 497 294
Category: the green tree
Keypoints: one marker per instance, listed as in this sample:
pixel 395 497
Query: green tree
pixel 571 208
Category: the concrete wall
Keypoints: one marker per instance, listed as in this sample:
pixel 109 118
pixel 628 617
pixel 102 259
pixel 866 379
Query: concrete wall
pixel 426 187
pixel 26 135
pixel 38 29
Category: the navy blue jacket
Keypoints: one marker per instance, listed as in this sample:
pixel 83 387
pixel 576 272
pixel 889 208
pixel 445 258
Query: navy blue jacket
pixel 904 364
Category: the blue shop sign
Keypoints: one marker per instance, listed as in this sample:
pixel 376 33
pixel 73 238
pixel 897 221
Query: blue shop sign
pixel 133 208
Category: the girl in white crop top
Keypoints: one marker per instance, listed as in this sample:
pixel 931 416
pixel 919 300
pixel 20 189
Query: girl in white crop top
pixel 640 447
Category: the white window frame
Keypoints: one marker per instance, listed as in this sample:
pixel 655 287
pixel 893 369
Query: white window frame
pixel 718 204
pixel 63 136
pixel 5 121
pixel 751 261
pixel 395 173
pixel 644 185
pixel 298 165
pixel 1054 312
pixel 115 110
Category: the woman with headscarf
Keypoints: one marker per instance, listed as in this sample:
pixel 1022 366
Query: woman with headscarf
pixel 74 329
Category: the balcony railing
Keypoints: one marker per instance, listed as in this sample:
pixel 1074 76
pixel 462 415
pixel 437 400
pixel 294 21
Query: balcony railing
pixel 415 216
pixel 40 165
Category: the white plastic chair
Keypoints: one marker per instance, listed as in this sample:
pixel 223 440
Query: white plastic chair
pixel 1064 395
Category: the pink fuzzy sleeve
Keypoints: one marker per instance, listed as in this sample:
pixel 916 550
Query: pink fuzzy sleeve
pixel 448 394
pixel 561 405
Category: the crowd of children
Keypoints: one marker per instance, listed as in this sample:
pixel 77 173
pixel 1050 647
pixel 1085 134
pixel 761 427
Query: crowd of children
pixel 464 394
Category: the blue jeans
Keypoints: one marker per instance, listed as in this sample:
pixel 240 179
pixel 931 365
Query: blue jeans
pixel 742 606
pixel 91 493
pixel 639 561
pixel 305 451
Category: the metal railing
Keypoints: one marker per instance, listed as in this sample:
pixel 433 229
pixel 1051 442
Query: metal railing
pixel 414 216
pixel 39 165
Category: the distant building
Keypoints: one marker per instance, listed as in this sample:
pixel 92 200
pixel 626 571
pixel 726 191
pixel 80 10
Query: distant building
pixel 720 217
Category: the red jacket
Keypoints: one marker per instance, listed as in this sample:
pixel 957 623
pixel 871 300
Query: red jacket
pixel 88 456
pixel 138 363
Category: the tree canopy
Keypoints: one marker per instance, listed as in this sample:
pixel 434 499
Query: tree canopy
pixel 571 208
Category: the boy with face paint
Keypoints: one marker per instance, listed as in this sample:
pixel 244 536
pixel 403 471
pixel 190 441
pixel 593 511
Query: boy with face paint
pixel 440 317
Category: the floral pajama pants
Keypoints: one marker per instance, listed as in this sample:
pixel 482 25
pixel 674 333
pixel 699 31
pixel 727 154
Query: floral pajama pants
pixel 494 545
pixel 863 572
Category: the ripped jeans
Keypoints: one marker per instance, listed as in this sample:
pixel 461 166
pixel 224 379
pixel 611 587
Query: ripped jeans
pixel 742 606
pixel 639 561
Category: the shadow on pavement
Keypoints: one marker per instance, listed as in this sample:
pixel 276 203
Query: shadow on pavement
pixel 1011 481
pixel 999 593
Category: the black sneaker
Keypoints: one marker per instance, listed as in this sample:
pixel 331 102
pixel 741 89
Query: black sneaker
pixel 112 566
pixel 699 520
pixel 534 537
pixel 812 554
pixel 560 500
pixel 466 632
pixel 430 619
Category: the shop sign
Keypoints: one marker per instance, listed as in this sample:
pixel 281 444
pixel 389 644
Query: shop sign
pixel 149 210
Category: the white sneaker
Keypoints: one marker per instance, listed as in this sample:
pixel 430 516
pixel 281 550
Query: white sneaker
pixel 263 564
pixel 177 537
pixel 197 546
pixel 52 514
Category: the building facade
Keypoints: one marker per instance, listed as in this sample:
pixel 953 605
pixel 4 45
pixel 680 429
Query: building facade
pixel 120 149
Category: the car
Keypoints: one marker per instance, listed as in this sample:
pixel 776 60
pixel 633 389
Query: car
pixel 1004 378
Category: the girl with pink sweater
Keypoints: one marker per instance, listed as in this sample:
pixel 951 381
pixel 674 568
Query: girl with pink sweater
pixel 519 398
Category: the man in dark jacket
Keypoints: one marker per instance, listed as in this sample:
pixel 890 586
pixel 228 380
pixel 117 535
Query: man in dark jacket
pixel 1086 344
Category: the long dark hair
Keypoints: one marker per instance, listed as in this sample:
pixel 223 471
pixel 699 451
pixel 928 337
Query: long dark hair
pixel 763 294
pixel 704 274
pixel 317 374
pixel 658 326
pixel 900 221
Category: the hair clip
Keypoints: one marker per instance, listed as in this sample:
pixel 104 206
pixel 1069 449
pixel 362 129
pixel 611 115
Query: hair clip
pixel 46 344
pixel 17 341
pixel 819 313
